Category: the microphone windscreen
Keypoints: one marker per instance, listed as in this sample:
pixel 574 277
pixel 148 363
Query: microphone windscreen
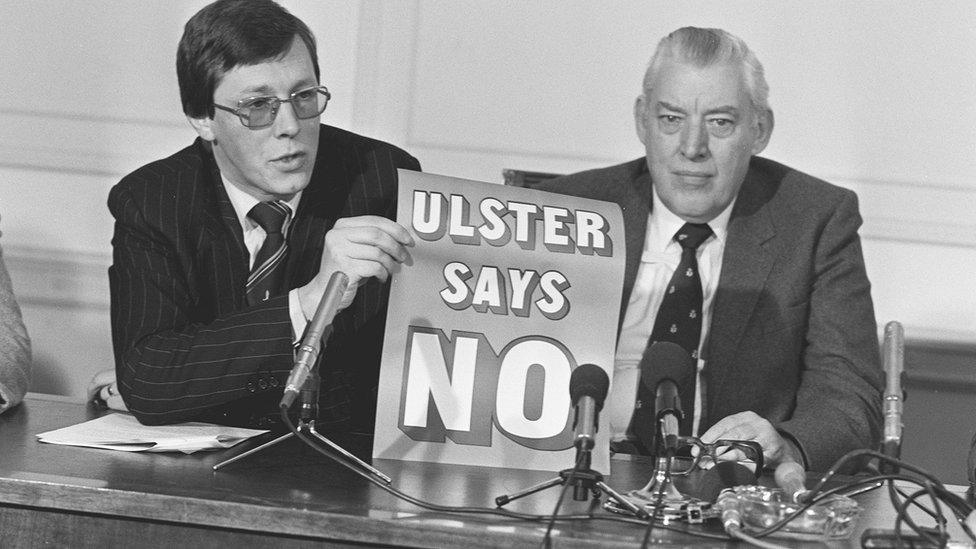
pixel 725 474
pixel 589 380
pixel 666 360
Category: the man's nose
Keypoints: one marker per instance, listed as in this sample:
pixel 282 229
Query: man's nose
pixel 286 122
pixel 694 142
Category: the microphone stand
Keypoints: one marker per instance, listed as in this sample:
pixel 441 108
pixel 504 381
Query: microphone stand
pixel 661 489
pixel 309 394
pixel 308 411
pixel 584 481
pixel 660 483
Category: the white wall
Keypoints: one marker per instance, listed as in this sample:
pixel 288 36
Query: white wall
pixel 876 96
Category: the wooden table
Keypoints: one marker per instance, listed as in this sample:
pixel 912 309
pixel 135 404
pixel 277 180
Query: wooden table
pixel 285 496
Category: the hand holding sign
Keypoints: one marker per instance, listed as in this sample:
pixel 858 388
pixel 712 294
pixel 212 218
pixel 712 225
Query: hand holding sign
pixel 362 247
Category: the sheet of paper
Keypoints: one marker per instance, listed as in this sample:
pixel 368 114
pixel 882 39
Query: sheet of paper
pixel 123 432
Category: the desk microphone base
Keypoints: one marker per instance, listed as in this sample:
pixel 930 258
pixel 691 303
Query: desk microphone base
pixel 583 482
pixel 308 428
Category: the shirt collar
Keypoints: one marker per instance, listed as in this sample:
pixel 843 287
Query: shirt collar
pixel 664 223
pixel 243 202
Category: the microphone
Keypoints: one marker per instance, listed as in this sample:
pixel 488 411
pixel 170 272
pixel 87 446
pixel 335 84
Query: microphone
pixel 665 366
pixel 667 406
pixel 893 355
pixel 308 351
pixel 588 386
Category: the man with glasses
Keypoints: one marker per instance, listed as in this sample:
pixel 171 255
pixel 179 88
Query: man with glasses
pixel 223 251
pixel 753 268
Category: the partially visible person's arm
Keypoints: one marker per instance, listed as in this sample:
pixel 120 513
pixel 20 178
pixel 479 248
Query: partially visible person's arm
pixel 15 350
pixel 838 402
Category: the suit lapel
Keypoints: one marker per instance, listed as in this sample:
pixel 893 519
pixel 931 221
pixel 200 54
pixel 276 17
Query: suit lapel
pixel 306 238
pixel 321 204
pixel 222 250
pixel 746 264
pixel 635 206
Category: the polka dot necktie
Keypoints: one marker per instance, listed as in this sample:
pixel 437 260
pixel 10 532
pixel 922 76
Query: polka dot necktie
pixel 679 320
pixel 267 275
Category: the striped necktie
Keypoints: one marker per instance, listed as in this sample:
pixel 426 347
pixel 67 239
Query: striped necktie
pixel 679 320
pixel 267 275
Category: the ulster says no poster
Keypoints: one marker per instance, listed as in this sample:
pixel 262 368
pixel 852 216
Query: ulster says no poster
pixel 507 291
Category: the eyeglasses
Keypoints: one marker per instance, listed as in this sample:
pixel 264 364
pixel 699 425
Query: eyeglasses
pixel 711 451
pixel 260 112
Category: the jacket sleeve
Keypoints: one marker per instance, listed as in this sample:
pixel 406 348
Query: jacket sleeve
pixel 15 350
pixel 172 362
pixel 838 403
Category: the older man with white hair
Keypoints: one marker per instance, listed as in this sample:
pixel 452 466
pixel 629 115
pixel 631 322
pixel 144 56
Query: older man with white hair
pixel 753 268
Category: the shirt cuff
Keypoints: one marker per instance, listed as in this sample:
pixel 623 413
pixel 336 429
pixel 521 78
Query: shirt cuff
pixel 298 320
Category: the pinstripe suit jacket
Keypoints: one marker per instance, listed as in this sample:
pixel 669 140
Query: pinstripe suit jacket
pixel 187 345
pixel 793 334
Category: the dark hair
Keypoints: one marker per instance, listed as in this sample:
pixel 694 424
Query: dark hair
pixel 229 33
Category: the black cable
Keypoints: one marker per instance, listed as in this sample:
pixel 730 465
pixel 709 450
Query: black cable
pixel 932 487
pixel 901 510
pixel 659 499
pixel 902 514
pixel 780 524
pixel 894 493
pixel 938 493
pixel 958 506
pixel 406 497
pixel 871 453
pixel 654 516
pixel 547 539
pixel 423 504
pixel 483 510
pixel 825 494
pixel 955 503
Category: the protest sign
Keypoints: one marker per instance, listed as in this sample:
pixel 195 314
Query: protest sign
pixel 507 291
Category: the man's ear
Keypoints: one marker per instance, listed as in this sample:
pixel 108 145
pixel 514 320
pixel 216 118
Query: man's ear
pixel 764 131
pixel 640 117
pixel 203 126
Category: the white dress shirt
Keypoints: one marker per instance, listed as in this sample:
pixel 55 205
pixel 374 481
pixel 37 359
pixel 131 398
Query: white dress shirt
pixel 659 259
pixel 254 237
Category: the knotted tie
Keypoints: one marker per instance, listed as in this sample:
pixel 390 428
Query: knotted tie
pixel 267 275
pixel 678 321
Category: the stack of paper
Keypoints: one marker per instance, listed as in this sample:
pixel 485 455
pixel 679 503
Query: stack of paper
pixel 123 432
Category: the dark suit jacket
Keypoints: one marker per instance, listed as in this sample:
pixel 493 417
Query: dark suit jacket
pixel 187 345
pixel 793 335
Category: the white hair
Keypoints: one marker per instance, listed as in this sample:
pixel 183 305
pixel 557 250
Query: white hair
pixel 705 47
